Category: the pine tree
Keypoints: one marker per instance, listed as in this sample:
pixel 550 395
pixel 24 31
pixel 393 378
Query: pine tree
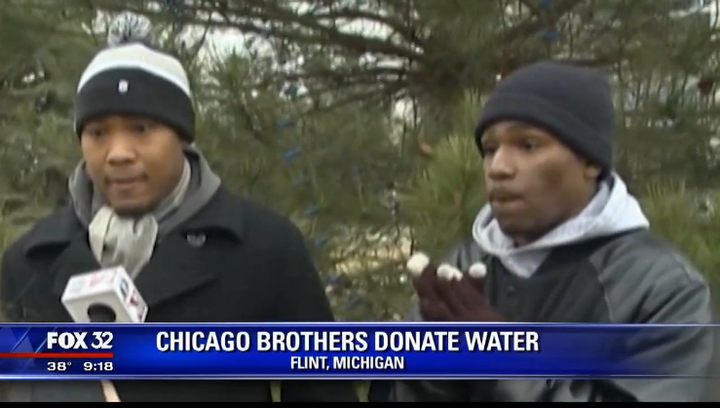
pixel 301 117
pixel 330 171
pixel 42 54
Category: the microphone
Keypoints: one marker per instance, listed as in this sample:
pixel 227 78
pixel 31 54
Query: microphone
pixel 104 296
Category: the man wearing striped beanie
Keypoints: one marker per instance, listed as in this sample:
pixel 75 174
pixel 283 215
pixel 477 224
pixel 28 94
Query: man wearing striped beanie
pixel 144 198
pixel 135 118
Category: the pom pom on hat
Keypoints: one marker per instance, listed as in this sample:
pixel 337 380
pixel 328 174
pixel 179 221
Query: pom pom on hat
pixel 128 27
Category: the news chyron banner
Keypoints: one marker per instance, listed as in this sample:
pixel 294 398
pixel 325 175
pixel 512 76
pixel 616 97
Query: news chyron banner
pixel 331 351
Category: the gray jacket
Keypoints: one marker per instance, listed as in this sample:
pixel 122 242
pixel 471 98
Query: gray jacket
pixel 630 277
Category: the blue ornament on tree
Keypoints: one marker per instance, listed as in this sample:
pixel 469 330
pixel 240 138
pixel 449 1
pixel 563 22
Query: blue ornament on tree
pixel 173 5
pixel 337 280
pixel 545 5
pixel 550 36
pixel 291 90
pixel 334 282
pixel 292 154
pixel 284 124
pixel 312 211
pixel 353 303
pixel 301 182
pixel 265 33
pixel 320 241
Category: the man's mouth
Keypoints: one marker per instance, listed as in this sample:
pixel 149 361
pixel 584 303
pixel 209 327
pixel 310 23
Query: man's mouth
pixel 498 196
pixel 124 181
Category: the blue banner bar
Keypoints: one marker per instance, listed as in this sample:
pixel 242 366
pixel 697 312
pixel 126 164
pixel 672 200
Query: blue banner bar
pixel 333 351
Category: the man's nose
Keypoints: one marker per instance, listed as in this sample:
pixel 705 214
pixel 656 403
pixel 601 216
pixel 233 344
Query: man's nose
pixel 121 149
pixel 501 165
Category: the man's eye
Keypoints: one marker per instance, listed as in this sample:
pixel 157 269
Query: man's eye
pixel 530 144
pixel 94 132
pixel 141 128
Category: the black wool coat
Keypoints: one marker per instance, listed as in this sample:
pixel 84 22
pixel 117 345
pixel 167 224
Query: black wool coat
pixel 234 261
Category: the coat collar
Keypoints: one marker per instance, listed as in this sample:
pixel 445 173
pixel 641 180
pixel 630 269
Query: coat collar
pixel 179 264
pixel 221 214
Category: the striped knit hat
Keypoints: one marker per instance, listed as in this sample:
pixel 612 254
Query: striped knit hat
pixel 130 77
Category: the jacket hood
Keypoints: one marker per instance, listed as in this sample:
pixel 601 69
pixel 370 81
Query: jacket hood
pixel 612 210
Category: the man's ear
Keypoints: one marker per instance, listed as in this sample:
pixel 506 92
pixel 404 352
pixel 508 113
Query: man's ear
pixel 592 171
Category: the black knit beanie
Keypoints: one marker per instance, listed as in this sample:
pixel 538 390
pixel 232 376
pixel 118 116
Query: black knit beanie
pixel 130 77
pixel 572 103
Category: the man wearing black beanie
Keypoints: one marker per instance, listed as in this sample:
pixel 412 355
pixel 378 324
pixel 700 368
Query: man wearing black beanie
pixel 561 240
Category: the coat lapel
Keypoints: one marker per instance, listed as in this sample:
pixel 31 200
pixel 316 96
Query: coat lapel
pixel 181 263
pixel 187 259
pixel 76 259
pixel 62 232
pixel 176 267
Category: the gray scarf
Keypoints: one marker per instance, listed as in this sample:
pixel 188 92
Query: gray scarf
pixel 130 242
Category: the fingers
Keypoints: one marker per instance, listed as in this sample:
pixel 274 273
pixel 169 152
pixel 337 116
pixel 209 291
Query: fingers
pixel 444 291
pixel 423 275
pixel 424 284
pixel 417 264
pixel 466 294
pixel 425 279
pixel 448 272
pixel 478 270
pixel 434 311
pixel 476 274
pixel 448 278
pixel 462 292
